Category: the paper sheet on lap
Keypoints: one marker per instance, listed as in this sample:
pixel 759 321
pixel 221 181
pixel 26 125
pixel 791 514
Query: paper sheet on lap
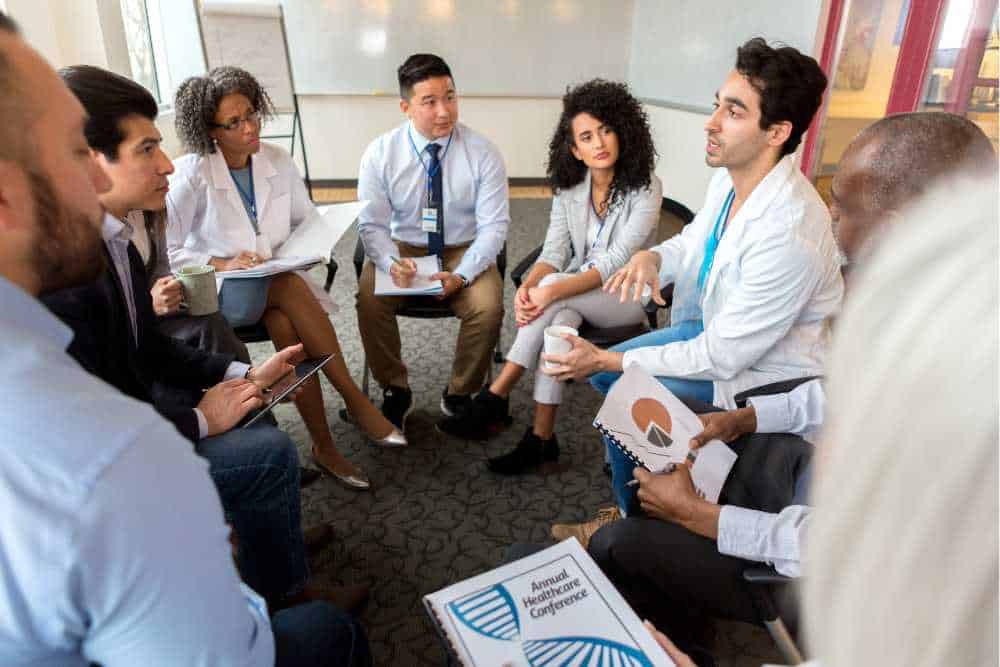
pixel 422 284
pixel 653 427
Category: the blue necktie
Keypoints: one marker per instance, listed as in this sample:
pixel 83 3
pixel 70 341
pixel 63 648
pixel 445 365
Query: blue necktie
pixel 435 240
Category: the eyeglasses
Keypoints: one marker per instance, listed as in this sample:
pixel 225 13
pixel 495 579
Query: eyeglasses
pixel 252 118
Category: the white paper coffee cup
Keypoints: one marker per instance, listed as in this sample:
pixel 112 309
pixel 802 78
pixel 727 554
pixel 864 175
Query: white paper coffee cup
pixel 554 342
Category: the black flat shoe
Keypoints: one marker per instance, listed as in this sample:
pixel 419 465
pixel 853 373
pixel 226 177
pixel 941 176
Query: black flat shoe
pixel 530 452
pixel 485 416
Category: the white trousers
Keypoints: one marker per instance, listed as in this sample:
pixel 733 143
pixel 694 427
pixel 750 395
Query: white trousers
pixel 596 307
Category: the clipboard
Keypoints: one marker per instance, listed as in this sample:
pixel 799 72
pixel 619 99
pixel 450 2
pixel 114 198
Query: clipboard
pixel 303 372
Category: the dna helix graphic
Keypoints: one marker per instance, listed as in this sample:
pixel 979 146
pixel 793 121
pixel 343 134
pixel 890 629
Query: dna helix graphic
pixel 492 613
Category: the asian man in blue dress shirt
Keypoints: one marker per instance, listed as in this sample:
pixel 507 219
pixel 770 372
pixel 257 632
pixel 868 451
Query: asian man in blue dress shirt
pixel 435 187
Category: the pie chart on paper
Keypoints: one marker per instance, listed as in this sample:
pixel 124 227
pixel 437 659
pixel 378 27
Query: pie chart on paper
pixel 653 419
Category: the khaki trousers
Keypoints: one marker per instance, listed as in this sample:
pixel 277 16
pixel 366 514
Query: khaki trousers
pixel 479 307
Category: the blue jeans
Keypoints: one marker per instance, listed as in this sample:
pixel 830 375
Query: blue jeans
pixel 256 471
pixel 317 633
pixel 701 390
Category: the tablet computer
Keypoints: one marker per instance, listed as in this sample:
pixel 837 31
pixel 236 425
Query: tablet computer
pixel 303 372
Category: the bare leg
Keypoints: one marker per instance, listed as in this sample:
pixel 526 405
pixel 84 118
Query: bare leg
pixel 545 420
pixel 289 294
pixel 310 400
pixel 508 377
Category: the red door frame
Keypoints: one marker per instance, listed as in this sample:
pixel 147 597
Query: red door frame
pixel 923 22
pixel 971 56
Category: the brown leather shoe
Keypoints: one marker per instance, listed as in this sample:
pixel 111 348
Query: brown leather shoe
pixel 317 537
pixel 584 531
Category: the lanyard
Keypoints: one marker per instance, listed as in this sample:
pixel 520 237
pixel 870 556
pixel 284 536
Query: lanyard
pixel 431 173
pixel 601 221
pixel 251 198
pixel 712 242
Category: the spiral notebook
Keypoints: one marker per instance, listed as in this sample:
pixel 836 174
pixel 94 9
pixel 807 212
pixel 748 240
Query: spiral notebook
pixel 653 427
pixel 552 608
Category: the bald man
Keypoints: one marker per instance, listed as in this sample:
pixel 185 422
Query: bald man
pixel 683 561
pixel 101 559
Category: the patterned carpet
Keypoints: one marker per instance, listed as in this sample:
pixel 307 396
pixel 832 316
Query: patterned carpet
pixel 435 515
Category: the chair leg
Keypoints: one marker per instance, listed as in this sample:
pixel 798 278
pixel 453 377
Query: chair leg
pixel 783 640
pixel 364 377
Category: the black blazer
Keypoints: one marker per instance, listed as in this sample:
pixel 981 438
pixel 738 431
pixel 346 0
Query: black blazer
pixel 103 344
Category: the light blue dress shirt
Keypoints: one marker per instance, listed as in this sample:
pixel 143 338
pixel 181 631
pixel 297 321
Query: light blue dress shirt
pixel 117 235
pixel 113 547
pixel 476 206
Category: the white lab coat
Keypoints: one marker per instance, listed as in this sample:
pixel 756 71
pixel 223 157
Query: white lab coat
pixel 770 296
pixel 206 217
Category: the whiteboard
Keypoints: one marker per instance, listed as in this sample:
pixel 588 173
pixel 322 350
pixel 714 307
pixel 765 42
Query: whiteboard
pixel 249 35
pixel 502 47
pixel 682 50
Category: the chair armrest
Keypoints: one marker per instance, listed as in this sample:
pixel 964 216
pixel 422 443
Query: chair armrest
pixel 764 575
pixel 782 387
pixel 502 261
pixel 517 275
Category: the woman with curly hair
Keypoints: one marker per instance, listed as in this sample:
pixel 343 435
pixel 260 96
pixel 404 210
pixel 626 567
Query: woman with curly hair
pixel 233 200
pixel 606 207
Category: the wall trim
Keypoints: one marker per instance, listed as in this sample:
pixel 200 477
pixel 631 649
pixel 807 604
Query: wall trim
pixel 524 182
pixel 664 104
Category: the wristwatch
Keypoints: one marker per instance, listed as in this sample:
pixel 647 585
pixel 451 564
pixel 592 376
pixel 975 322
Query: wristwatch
pixel 465 281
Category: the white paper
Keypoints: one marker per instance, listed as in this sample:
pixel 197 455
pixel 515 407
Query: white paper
pixel 656 427
pixel 427 266
pixel 270 268
pixel 318 236
pixel 544 609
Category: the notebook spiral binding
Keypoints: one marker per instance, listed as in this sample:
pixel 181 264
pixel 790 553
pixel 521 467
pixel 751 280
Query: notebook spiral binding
pixel 618 443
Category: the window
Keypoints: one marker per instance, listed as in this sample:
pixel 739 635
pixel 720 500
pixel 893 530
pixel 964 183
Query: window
pixel 164 40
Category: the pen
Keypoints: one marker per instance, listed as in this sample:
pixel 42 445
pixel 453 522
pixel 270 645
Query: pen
pixel 667 470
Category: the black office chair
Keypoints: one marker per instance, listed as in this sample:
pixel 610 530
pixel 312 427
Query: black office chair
pixel 424 307
pixel 670 211
pixel 257 333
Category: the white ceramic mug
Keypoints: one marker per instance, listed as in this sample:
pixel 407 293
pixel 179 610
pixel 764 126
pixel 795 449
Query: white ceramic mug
pixel 200 294
pixel 554 342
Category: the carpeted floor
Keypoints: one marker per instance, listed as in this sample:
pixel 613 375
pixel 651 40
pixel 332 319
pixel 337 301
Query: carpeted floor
pixel 435 515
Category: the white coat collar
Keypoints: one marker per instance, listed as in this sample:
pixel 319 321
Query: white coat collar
pixel 765 192
pixel 263 170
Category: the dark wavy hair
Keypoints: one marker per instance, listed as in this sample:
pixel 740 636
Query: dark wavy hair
pixel 790 85
pixel 198 99
pixel 611 103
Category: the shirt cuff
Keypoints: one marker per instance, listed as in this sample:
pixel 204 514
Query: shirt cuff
pixel 236 370
pixel 741 529
pixel 773 413
pixel 202 424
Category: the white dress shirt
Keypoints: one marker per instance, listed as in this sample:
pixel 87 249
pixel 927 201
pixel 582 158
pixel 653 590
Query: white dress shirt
pixel 394 181
pixel 769 296
pixel 98 492
pixel 776 539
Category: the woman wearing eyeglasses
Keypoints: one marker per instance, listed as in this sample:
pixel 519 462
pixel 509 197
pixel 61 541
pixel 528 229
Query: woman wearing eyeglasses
pixel 232 202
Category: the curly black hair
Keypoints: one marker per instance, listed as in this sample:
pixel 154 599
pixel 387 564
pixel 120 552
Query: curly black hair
pixel 611 103
pixel 198 99
pixel 790 85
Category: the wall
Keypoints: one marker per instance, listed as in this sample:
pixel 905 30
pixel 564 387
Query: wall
pixel 338 128
pixel 680 140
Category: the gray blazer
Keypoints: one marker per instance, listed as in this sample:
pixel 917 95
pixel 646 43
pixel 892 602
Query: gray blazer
pixel 630 226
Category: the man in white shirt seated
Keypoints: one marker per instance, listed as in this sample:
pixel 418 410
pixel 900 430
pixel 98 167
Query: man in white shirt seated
pixel 757 272
pixel 113 547
pixel 683 561
pixel 434 187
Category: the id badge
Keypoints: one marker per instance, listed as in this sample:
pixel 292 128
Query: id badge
pixel 429 220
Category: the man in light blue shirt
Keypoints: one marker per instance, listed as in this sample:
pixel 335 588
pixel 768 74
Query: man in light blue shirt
pixel 101 559
pixel 434 187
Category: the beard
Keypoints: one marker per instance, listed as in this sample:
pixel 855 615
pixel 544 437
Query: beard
pixel 70 250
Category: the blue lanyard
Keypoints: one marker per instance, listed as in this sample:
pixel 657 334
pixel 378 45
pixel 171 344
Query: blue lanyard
pixel 431 173
pixel 712 242
pixel 251 198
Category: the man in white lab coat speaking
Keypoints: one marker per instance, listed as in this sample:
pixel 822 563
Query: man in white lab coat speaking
pixel 756 274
